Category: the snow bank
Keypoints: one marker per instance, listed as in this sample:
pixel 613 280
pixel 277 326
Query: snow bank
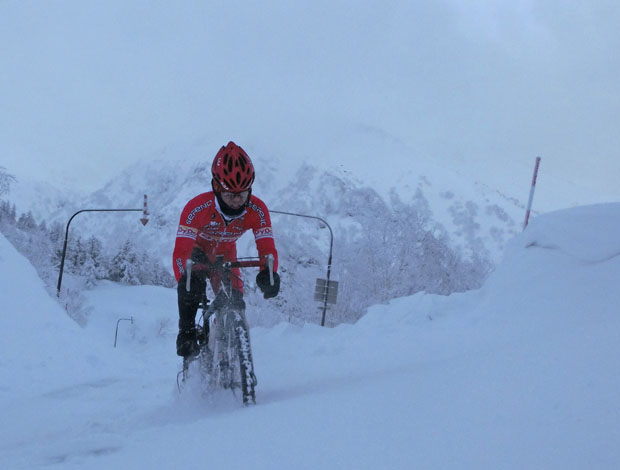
pixel 564 267
pixel 587 233
pixel 37 334
pixel 533 354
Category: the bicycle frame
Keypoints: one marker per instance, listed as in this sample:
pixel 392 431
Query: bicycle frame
pixel 225 355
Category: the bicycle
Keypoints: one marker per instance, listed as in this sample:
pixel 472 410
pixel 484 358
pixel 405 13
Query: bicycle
pixel 224 351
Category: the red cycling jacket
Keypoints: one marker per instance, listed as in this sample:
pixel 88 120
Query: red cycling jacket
pixel 203 225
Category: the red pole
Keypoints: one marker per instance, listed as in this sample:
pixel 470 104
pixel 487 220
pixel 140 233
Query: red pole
pixel 529 202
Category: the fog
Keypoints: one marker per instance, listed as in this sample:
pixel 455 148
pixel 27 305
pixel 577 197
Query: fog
pixel 87 87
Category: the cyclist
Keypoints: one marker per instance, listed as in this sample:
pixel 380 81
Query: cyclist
pixel 210 225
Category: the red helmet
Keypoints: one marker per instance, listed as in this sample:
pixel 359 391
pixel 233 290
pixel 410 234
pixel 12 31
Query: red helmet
pixel 232 169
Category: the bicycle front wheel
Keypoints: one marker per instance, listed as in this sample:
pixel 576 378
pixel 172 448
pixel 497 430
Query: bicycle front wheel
pixel 242 355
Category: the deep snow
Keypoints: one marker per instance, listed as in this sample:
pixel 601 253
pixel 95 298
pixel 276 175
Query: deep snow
pixel 519 374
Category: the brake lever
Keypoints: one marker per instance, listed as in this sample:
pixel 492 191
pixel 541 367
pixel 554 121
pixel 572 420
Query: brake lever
pixel 188 270
pixel 270 266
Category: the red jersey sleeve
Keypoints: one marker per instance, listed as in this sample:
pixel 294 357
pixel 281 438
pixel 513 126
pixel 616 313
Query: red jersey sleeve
pixel 186 234
pixel 263 232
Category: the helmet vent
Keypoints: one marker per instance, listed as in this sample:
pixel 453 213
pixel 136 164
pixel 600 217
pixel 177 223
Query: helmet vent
pixel 233 169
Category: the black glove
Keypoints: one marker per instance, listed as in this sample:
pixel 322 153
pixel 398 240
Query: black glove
pixel 198 256
pixel 197 286
pixel 262 281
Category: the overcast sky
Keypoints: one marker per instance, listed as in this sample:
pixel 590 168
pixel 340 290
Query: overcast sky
pixel 87 87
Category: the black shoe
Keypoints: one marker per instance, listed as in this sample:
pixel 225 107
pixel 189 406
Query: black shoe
pixel 187 345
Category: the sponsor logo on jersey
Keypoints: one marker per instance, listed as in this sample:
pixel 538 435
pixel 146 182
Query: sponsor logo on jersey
pixel 219 236
pixel 196 210
pixel 260 213
pixel 266 232
pixel 180 266
pixel 186 232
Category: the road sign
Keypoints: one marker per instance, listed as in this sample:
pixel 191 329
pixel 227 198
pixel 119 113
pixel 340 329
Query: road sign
pixel 326 292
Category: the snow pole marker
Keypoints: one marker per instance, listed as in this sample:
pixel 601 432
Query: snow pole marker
pixel 531 198
pixel 145 213
pixel 118 321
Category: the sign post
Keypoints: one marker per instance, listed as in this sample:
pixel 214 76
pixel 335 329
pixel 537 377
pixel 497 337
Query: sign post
pixel 329 260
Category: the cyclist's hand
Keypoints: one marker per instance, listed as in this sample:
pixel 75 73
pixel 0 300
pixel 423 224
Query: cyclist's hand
pixel 262 281
pixel 196 290
pixel 198 256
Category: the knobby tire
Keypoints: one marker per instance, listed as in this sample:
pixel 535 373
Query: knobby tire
pixel 229 364
pixel 243 353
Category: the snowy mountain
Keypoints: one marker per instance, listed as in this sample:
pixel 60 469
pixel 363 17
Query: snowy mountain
pixel 475 215
pixel 518 374
pixel 403 227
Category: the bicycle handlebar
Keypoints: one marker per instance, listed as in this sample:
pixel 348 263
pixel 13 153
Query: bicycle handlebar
pixel 254 263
